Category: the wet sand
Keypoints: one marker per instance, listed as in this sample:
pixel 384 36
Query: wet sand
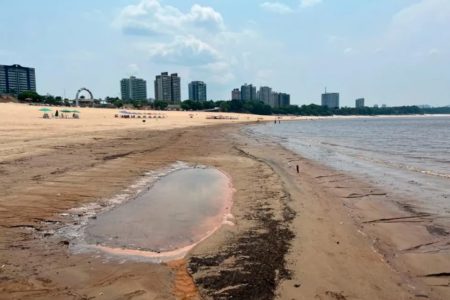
pixel 316 235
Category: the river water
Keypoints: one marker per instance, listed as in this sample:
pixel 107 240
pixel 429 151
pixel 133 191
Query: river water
pixel 406 155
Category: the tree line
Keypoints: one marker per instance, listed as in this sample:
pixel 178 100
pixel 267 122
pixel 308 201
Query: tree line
pixel 253 107
pixel 259 108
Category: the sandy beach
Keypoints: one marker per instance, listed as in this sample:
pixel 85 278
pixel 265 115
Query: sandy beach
pixel 319 234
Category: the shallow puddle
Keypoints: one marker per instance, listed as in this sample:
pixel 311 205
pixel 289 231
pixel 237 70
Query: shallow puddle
pixel 172 215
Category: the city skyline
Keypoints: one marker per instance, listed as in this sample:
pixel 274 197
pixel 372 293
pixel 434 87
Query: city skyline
pixel 395 53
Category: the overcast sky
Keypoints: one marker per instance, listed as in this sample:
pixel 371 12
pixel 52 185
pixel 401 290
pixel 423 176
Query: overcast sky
pixel 395 52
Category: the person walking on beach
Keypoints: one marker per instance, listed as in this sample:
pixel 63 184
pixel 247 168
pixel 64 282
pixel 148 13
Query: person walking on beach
pixel 298 169
pixel 56 113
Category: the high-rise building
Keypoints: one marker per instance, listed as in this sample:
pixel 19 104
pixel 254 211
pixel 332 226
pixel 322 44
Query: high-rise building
pixel 163 89
pixel 133 89
pixel 168 88
pixel 236 94
pixel 248 92
pixel 175 85
pixel 359 103
pixel 284 100
pixel 197 91
pixel 16 79
pixel 279 100
pixel 330 100
pixel 265 94
pixel 274 100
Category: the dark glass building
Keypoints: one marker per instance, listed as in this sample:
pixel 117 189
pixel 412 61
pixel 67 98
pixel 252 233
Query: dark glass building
pixel 197 91
pixel 248 92
pixel 16 79
pixel 133 89
pixel 168 88
pixel 330 100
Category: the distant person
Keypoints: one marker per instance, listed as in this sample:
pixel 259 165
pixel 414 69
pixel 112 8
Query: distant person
pixel 56 113
pixel 298 169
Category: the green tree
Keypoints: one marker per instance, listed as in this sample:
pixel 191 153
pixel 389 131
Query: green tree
pixel 158 104
pixel 35 97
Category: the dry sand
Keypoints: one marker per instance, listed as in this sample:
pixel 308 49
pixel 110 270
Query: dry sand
pixel 22 127
pixel 295 236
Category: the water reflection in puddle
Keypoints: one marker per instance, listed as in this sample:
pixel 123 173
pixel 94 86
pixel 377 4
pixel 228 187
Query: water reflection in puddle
pixel 178 211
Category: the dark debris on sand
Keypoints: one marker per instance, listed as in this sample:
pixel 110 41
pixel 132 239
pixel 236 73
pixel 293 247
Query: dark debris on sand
pixel 257 256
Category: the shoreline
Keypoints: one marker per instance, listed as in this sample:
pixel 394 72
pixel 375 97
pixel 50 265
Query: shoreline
pixel 294 236
pixel 407 241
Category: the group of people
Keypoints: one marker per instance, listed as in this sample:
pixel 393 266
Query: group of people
pixel 133 116
pixel 66 116
pixel 61 115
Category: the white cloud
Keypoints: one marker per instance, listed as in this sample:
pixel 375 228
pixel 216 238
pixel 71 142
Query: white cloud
pixel 277 7
pixel 220 72
pixel 348 50
pixel 282 8
pixel 425 22
pixel 133 69
pixel 176 37
pixel 332 39
pixel 433 51
pixel 197 39
pixel 309 3
pixel 424 11
pixel 185 50
pixel 150 17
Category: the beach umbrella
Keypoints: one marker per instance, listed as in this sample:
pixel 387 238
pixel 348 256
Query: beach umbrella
pixel 75 111
pixel 45 109
pixel 66 111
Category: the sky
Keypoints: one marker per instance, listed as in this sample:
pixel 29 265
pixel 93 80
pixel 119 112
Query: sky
pixel 394 52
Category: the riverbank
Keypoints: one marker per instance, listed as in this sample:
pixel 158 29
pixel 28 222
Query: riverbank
pixel 294 236
pixel 41 185
pixel 382 246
